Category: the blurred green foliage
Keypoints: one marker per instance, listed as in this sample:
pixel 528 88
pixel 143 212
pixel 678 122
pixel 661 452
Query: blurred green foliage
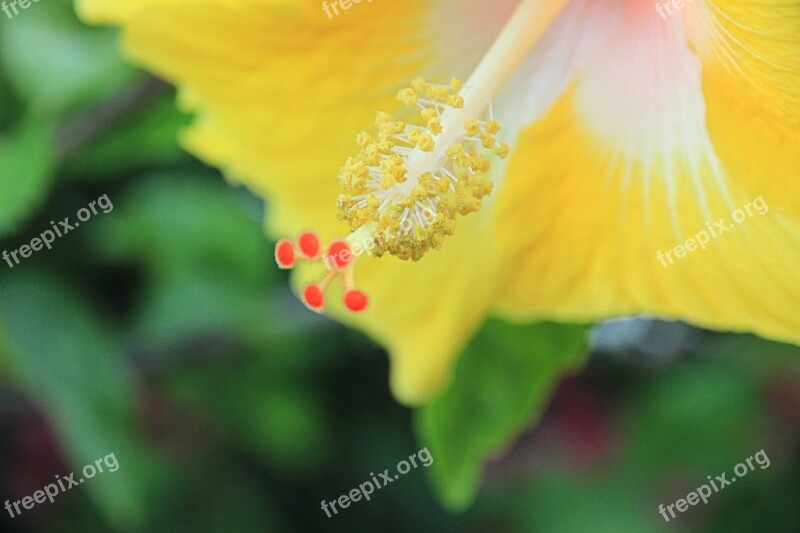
pixel 62 354
pixel 162 332
pixel 55 66
pixel 26 173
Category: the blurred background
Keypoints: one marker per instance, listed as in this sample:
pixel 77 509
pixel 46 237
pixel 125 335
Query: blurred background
pixel 162 332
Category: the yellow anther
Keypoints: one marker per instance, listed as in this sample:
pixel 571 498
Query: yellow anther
pixel 438 92
pixel 463 160
pixel 472 127
pixel 478 163
pixel 387 165
pixel 406 202
pixel 455 100
pixel 449 226
pixel 362 216
pixel 371 156
pixel 386 222
pixel 385 146
pixel 405 253
pixel 502 150
pixel 486 189
pixel 454 151
pixel 388 181
pixel 435 125
pixel 427 180
pixel 382 118
pixel 419 193
pixel 492 127
pixel 429 114
pixel 408 96
pixel 397 127
pixel 359 169
pixel 456 84
pixel 425 142
pixel 364 139
pixel 469 205
pixel 487 141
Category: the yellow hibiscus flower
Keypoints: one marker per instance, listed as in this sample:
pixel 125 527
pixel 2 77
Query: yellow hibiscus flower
pixel 654 151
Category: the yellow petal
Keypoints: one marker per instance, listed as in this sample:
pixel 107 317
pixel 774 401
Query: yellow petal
pixel 104 12
pixel 623 168
pixel 275 110
pixel 751 77
pixel 280 92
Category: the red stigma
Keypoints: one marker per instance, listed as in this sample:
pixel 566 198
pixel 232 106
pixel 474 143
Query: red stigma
pixel 309 244
pixel 339 254
pixel 284 254
pixel 313 297
pixel 355 300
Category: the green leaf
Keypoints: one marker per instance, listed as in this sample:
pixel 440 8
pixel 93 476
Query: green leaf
pixel 26 171
pixel 502 384
pixel 56 64
pixel 59 352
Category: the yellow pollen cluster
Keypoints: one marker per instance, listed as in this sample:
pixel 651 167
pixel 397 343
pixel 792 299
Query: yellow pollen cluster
pixel 411 186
